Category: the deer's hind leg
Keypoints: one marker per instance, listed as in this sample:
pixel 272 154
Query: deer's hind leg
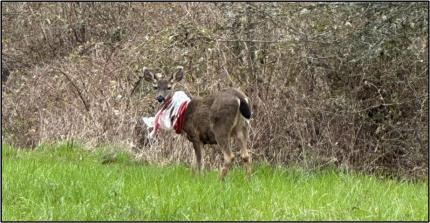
pixel 242 139
pixel 224 143
pixel 222 129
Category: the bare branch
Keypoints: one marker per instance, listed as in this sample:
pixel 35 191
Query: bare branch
pixel 87 107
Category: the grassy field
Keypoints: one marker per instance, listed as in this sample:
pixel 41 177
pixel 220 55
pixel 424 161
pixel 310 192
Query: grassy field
pixel 65 182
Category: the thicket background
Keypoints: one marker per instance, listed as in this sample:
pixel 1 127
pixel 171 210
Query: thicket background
pixel 342 84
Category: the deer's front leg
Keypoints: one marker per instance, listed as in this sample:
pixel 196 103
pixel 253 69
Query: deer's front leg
pixel 198 151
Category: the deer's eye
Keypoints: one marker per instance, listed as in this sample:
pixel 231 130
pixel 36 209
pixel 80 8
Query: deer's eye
pixel 169 88
pixel 155 87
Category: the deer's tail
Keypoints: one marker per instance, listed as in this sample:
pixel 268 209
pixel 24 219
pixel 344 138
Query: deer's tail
pixel 244 107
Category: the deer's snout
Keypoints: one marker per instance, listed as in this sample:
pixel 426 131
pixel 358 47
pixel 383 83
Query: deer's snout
pixel 159 98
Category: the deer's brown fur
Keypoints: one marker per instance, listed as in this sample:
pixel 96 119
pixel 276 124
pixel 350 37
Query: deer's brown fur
pixel 214 119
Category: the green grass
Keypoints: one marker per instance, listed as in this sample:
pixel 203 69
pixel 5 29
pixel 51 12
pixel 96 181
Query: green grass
pixel 66 182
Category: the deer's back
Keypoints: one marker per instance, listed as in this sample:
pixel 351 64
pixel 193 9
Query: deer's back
pixel 201 111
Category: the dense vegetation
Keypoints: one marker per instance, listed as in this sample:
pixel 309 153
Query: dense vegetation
pixel 342 84
pixel 68 182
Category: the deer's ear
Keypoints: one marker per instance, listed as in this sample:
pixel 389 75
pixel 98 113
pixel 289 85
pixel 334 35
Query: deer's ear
pixel 148 75
pixel 178 75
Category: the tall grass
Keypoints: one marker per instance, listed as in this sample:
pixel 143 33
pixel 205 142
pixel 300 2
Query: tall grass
pixel 67 182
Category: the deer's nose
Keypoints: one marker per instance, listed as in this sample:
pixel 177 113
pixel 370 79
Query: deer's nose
pixel 160 98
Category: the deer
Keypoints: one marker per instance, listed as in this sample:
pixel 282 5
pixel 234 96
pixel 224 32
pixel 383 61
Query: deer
pixel 213 119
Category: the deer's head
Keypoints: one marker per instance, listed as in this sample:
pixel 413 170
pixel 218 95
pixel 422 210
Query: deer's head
pixel 163 86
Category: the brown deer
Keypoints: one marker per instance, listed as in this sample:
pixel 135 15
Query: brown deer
pixel 213 119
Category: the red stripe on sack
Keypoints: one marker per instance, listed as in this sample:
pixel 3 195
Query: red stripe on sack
pixel 180 119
